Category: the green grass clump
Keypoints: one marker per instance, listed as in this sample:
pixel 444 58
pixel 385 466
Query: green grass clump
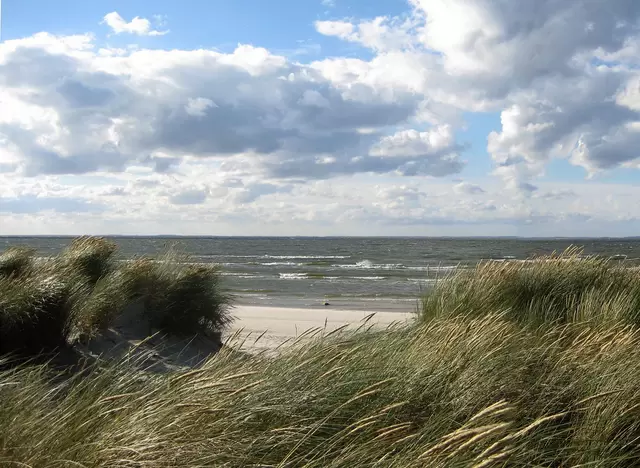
pixel 33 314
pixel 468 392
pixel 99 305
pixel 83 290
pixel 178 296
pixel 16 261
pixel 559 288
pixel 89 256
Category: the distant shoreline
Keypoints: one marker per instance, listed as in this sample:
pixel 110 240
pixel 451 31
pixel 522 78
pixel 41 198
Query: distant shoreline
pixel 191 236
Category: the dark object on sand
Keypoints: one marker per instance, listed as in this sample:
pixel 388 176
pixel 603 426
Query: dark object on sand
pixel 326 303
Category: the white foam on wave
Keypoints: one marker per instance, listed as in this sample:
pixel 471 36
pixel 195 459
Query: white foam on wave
pixel 294 257
pixel 373 278
pixel 369 265
pixel 293 276
pixel 275 257
pixel 435 268
pixel 240 275
pixel 281 264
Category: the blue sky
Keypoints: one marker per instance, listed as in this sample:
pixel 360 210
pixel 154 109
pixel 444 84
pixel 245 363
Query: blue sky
pixel 199 23
pixel 294 117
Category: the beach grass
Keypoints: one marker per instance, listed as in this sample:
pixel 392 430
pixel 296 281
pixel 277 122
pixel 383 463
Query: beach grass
pixel 503 367
pixel 16 261
pixel 547 290
pixel 459 391
pixel 82 291
pixel 179 296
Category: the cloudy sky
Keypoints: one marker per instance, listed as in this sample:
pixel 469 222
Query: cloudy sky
pixel 320 117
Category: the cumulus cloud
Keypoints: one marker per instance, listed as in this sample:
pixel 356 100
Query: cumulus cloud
pixel 381 33
pixel 414 143
pixel 138 26
pixel 562 74
pixel 198 107
pixel 340 29
pixel 79 111
pixel 189 197
pixel 467 188
pixel 539 60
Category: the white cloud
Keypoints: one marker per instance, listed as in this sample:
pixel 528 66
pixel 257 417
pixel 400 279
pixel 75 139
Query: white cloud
pixel 557 194
pixel 340 29
pixel 381 33
pixel 467 188
pixel 205 202
pixel 539 63
pixel 258 112
pixel 197 107
pixel 415 143
pixel 313 98
pixel 189 197
pixel 138 26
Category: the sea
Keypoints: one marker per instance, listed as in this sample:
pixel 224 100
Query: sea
pixel 345 272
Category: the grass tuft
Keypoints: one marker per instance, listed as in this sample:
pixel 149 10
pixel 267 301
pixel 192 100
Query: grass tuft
pixel 83 291
pixel 16 261
pixel 33 314
pixel 90 256
pixel 555 289
pixel 180 297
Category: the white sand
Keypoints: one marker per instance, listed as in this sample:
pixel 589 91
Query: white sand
pixel 280 324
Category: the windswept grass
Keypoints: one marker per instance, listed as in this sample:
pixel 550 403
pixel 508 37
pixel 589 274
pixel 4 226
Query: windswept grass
pixel 513 364
pixel 83 291
pixel 179 296
pixel 100 303
pixel 555 289
pixel 480 392
pixel 16 261
pixel 33 314
pixel 91 257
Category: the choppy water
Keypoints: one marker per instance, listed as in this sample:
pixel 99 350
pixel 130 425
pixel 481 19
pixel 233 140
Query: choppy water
pixel 374 273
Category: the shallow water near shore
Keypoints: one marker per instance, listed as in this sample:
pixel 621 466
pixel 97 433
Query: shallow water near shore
pixel 383 274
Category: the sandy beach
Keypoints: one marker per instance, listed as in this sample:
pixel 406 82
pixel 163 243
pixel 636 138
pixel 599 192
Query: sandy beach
pixel 279 325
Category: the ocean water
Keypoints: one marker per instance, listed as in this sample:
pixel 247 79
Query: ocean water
pixel 354 273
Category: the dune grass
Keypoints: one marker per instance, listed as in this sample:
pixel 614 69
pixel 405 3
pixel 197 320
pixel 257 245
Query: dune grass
pixel 179 296
pixel 555 289
pixel 90 257
pixel 16 261
pixel 33 314
pixel 513 369
pixel 454 392
pixel 84 289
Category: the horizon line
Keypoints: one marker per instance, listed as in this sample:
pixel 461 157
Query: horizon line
pixel 4 236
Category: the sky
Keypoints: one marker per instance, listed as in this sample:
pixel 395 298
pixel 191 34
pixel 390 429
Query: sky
pixel 320 117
